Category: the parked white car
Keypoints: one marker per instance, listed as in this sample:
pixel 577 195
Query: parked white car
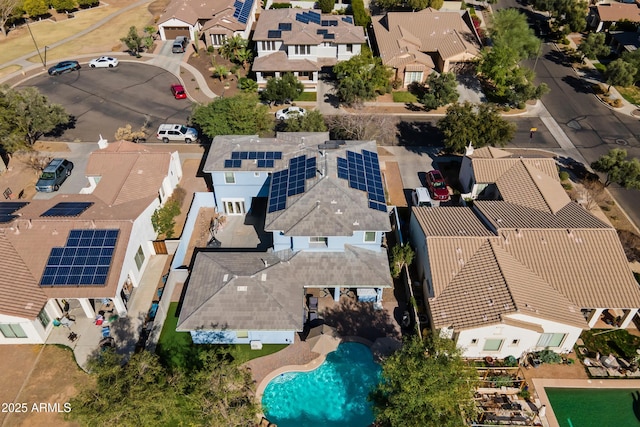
pixel 287 113
pixel 103 62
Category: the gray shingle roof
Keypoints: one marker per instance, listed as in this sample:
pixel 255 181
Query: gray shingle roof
pixel 258 297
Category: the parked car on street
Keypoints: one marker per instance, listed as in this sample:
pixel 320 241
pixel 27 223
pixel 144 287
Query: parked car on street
pixel 421 198
pixel 64 67
pixel 54 175
pixel 171 132
pixel 178 91
pixel 437 185
pixel 287 113
pixel 103 62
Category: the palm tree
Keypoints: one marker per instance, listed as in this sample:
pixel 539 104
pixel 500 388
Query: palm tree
pixel 244 55
pixel 231 46
pixel 220 71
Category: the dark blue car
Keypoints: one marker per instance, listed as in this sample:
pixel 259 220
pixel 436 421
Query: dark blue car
pixel 64 67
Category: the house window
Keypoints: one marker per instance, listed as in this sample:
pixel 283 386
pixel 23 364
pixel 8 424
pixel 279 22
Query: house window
pixel 242 334
pixel 474 341
pixel 349 48
pixel 268 45
pixel 327 44
pixel 12 330
pixel 234 207
pixel 302 49
pixel 369 236
pixel 229 178
pixel 139 257
pixel 44 318
pixel 551 340
pixel 492 345
pixel 412 76
pixel 515 342
pixel 218 39
pixel 318 241
pixel 305 75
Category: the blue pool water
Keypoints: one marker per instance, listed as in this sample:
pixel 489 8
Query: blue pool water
pixel 334 394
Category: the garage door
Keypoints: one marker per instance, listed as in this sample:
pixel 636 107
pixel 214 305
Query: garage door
pixel 171 33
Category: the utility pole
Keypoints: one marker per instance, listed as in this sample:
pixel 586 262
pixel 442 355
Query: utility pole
pixel 44 64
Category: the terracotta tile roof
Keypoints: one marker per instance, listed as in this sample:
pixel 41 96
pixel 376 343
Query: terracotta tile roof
pixel 451 221
pixel 489 170
pixel 504 215
pixel 190 11
pixel 613 12
pixel 279 61
pixel 489 153
pixel 301 33
pixel 399 35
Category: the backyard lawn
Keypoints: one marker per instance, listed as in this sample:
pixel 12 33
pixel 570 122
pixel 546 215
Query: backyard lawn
pixel 177 349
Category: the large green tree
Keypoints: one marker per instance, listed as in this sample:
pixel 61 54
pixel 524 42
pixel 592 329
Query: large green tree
pixel 361 78
pixel 313 121
pixel 620 73
pixel 618 169
pixel 231 48
pixel 63 5
pixel 427 384
pixel 35 7
pixel 593 46
pixel 482 125
pixel 237 115
pixel 27 115
pixel 326 6
pixel 133 40
pixel 510 29
pixel 441 90
pixel 283 89
pixel 567 15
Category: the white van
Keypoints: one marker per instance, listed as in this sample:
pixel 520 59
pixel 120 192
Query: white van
pixel 421 198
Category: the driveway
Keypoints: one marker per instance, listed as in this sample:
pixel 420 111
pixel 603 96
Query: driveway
pixel 102 100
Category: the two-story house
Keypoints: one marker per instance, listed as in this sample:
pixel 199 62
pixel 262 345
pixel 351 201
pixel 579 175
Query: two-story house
pixel 90 247
pixel 302 42
pixel 324 204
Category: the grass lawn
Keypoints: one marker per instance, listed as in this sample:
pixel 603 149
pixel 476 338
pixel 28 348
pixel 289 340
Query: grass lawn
pixel 404 96
pixel 630 93
pixel 600 67
pixel 177 349
pixel 307 96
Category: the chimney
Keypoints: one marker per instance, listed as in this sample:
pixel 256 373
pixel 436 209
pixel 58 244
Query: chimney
pixel 469 150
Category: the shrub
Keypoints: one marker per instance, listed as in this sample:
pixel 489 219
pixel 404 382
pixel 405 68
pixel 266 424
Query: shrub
pixel 567 186
pixel 211 49
pixel 564 175
pixel 549 356
pixel 280 6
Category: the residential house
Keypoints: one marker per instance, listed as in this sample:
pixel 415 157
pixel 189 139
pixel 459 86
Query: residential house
pixel 604 15
pixel 212 21
pixel 302 42
pixel 415 44
pixel 526 271
pixel 90 247
pixel 324 204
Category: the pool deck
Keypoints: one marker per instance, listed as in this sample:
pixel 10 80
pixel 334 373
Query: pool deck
pixel 541 383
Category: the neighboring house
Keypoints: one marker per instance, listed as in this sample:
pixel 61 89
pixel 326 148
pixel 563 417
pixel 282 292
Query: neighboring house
pixel 325 208
pixel 527 271
pixel 603 15
pixel 302 42
pixel 624 41
pixel 415 44
pixel 212 21
pixel 90 246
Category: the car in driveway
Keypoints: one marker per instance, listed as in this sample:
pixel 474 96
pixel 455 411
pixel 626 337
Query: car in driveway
pixel 437 185
pixel 54 175
pixel 421 198
pixel 179 44
pixel 64 67
pixel 290 112
pixel 178 91
pixel 173 132
pixel 103 62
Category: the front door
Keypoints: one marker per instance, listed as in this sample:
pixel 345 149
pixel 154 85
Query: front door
pixel 234 207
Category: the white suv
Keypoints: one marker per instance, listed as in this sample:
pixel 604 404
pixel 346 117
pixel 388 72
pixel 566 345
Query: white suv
pixel 421 198
pixel 171 132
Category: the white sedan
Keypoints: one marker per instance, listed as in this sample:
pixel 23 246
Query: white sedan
pixel 287 113
pixel 103 62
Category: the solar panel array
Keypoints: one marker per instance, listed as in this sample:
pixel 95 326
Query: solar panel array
pixel 308 16
pixel 274 34
pixel 291 181
pixel 242 10
pixel 68 209
pixel 284 26
pixel 84 260
pixel 329 23
pixel 363 173
pixel 264 159
pixel 8 208
pixel 348 19
pixel 329 36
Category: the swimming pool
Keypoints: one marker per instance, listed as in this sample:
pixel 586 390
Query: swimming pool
pixel 603 407
pixel 334 394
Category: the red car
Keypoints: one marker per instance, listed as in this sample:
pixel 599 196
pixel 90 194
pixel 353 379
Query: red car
pixel 178 91
pixel 437 185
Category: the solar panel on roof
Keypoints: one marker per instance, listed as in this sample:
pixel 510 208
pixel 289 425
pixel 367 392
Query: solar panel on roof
pixel 68 209
pixel 310 168
pixel 321 31
pixel 362 171
pixel 278 191
pixel 297 173
pixel 300 17
pixel 324 23
pixel 348 19
pixel 284 26
pixel 333 23
pixel 8 208
pixel 235 155
pixel 342 168
pixel 237 4
pixel 274 34
pixel 329 36
pixel 84 260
